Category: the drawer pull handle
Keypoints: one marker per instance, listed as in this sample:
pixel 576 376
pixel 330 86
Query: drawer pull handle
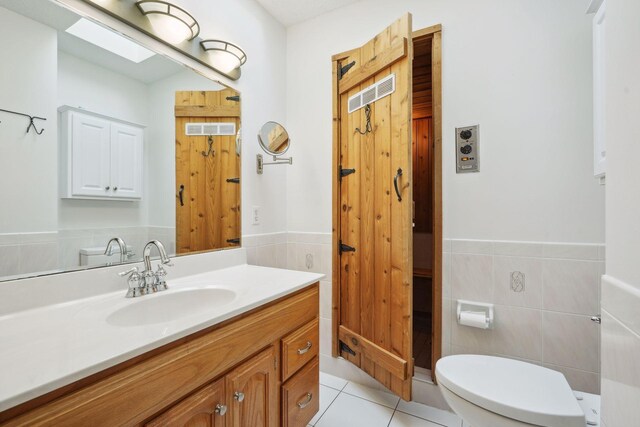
pixel 307 348
pixel 306 402
pixel 239 396
pixel 221 409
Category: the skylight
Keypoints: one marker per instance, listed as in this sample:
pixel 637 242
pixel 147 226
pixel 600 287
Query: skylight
pixel 108 40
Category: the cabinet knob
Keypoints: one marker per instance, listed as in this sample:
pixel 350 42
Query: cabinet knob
pixel 115 188
pixel 221 409
pixel 239 396
pixel 107 188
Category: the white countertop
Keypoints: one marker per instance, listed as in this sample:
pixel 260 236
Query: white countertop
pixel 47 347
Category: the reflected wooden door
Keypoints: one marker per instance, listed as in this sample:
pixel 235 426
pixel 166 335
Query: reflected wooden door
pixel 372 217
pixel 207 173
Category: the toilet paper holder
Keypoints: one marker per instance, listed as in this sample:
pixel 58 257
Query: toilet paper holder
pixel 475 314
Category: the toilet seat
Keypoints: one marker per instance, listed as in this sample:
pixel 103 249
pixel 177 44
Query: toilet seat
pixel 517 390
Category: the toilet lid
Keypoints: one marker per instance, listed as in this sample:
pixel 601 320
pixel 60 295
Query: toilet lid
pixel 513 389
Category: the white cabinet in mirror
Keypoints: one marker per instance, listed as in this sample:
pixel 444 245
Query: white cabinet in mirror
pixel 115 159
pixel 100 157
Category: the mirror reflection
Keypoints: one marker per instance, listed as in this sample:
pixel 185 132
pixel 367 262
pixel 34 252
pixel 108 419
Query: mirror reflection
pixel 134 147
pixel 274 138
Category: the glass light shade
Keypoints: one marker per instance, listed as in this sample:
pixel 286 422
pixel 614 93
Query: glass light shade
pixel 172 23
pixel 226 56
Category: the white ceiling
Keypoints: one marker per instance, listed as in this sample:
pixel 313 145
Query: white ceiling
pixel 290 12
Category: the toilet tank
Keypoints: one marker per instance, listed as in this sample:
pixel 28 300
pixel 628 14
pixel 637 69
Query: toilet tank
pixel 95 256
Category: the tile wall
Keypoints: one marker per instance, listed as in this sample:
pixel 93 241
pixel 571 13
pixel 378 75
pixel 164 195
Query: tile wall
pixel 546 321
pixel 620 353
pixel 22 253
pixel 543 319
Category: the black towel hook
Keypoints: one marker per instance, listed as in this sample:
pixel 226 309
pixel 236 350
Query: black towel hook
pixel 31 119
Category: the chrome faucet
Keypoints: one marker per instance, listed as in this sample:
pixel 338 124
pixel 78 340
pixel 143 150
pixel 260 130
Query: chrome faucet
pixel 123 248
pixel 155 282
pixel 148 281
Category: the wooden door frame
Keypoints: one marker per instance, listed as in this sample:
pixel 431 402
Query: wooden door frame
pixel 435 33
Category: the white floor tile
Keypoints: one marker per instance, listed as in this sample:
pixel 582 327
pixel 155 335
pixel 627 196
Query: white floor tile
pixel 352 411
pixel 327 396
pixel 377 396
pixel 439 416
pixel 332 381
pixel 400 419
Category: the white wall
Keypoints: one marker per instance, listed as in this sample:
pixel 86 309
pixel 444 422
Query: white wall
pixel 521 69
pixel 27 85
pixel 96 89
pixel 621 285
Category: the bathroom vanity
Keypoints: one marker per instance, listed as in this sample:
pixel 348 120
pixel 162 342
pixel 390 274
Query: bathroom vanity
pixel 236 346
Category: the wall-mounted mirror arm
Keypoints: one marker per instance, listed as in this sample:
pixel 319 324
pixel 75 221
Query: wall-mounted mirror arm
pixel 260 163
pixel 274 140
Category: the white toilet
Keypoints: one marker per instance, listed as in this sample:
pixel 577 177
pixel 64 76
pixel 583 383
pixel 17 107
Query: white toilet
pixel 488 391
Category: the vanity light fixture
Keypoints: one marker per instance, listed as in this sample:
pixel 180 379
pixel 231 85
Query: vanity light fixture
pixel 172 23
pixel 227 56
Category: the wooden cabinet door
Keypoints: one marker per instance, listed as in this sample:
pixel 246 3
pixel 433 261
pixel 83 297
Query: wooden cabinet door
pixel 204 408
pixel 126 161
pixel 252 392
pixel 90 151
pixel 373 206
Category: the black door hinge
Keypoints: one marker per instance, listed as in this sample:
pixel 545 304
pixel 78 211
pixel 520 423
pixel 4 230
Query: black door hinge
pixel 345 172
pixel 345 248
pixel 235 241
pixel 234 98
pixel 234 180
pixel 343 70
pixel 345 348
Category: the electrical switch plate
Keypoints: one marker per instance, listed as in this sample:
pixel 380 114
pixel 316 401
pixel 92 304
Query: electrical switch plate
pixel 255 215
pixel 467 149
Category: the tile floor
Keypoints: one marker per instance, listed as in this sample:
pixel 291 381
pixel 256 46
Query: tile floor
pixel 344 403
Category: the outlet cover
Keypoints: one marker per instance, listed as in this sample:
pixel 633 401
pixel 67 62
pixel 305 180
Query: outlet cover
pixel 255 215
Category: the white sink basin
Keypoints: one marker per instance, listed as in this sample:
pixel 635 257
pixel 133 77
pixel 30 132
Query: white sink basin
pixel 171 305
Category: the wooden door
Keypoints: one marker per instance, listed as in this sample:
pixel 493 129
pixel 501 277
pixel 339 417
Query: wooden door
pixel 204 408
pixel 373 268
pixel 207 186
pixel 252 390
pixel 126 161
pixel 91 156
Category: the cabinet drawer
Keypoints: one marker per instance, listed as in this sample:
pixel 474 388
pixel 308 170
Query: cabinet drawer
pixel 301 396
pixel 298 348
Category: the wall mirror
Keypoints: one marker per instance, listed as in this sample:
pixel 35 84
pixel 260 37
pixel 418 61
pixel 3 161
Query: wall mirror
pixel 274 140
pixel 124 143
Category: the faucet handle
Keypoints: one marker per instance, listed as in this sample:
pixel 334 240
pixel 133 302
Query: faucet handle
pixel 131 272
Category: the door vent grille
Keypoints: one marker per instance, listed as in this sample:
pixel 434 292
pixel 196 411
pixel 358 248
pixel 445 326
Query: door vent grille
pixel 373 93
pixel 219 129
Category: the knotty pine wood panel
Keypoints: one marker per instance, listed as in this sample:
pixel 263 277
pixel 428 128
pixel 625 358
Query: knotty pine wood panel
pixel 210 216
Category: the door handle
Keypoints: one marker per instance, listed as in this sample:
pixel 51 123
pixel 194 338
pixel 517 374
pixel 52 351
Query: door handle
pixel 180 194
pixel 395 183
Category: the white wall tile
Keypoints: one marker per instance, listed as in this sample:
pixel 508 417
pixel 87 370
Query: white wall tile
pixel 325 299
pixel 518 332
pixel 571 251
pixel 620 373
pixel 531 295
pixel 472 277
pixel 623 300
pixel 571 340
pixel 483 247
pixel 521 249
pixel 571 286
pixel 9 260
